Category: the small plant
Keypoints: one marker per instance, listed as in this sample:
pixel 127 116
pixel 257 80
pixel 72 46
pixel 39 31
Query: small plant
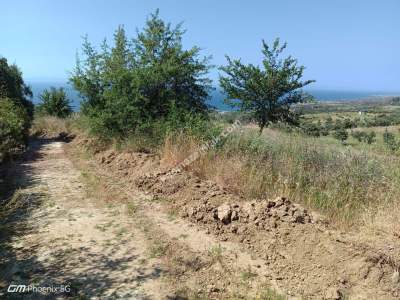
pixel 341 135
pixel 216 254
pixel 121 232
pixel 247 274
pixel 102 228
pixel 158 249
pixel 269 294
pixel 131 208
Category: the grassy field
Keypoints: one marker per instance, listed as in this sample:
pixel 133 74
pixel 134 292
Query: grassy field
pixel 344 180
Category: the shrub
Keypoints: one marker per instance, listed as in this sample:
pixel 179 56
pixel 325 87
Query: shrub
pixel 14 124
pixel 16 110
pixel 364 137
pixel 54 102
pixel 329 124
pixel 312 129
pixel 370 137
pixel 348 124
pixel 390 141
pixel 341 134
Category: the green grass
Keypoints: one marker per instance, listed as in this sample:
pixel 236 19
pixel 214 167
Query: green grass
pixel 216 253
pixel 157 250
pixel 247 274
pixel 269 294
pixel 131 208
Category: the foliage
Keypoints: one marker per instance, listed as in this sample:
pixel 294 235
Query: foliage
pixel 395 101
pixel 312 129
pixel 338 181
pixel 13 87
pixel 329 124
pixel 341 134
pixel 54 102
pixel 390 141
pixel 268 92
pixel 16 109
pixel 384 119
pixel 364 137
pixel 14 122
pixel 134 85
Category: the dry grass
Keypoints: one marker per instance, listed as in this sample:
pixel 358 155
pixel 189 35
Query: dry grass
pixel 177 148
pixel 382 220
pixel 50 127
pixel 332 179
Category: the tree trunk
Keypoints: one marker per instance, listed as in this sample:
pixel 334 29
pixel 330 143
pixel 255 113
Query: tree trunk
pixel 262 122
pixel 262 125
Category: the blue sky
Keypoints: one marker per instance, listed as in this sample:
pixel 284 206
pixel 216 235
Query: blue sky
pixel 349 45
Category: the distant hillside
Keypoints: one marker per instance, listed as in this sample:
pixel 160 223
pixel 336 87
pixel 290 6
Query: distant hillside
pixel 217 97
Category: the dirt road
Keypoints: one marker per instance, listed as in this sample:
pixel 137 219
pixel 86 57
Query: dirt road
pixel 61 237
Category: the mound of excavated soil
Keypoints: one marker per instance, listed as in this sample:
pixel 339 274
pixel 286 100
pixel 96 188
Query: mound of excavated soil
pixel 305 256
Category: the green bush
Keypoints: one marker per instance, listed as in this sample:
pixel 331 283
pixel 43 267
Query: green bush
pixel 364 137
pixel 312 129
pixel 54 102
pixel 390 141
pixel 16 110
pixel 14 126
pixel 136 85
pixel 341 134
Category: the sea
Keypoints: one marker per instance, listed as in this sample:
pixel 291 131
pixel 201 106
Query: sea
pixel 217 96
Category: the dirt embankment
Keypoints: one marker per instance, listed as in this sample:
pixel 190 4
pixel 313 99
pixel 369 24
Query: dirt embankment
pixel 301 253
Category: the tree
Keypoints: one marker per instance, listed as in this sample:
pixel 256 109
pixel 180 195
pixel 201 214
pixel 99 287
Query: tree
pixel 172 75
pixel 54 102
pixel 16 109
pixel 13 87
pixel 136 83
pixel 268 92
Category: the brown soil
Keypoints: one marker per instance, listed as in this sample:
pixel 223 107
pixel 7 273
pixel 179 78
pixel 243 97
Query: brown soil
pixel 58 236
pixel 119 225
pixel 299 251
